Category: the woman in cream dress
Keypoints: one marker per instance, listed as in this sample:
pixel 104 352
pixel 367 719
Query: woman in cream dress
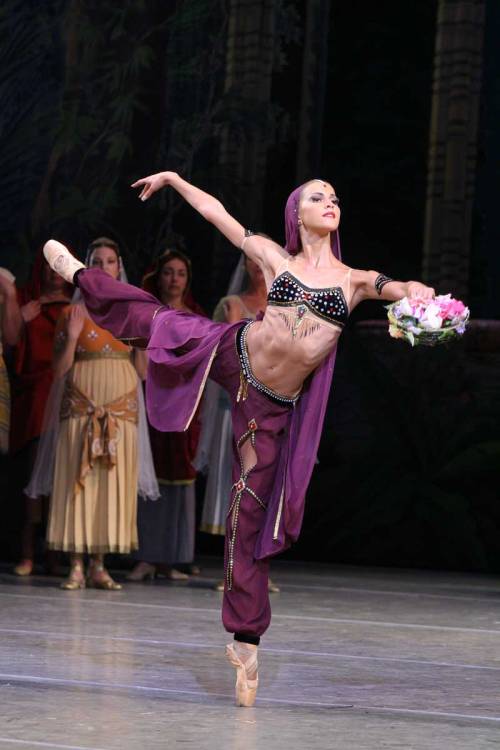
pixel 93 505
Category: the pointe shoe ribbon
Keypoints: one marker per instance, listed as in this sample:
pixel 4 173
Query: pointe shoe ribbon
pixel 245 689
pixel 60 260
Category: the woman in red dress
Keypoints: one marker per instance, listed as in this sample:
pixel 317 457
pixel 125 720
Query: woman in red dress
pixel 41 302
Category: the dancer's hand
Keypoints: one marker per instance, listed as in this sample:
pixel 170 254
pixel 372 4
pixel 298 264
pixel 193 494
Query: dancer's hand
pixel 31 310
pixel 417 290
pixel 76 319
pixel 153 183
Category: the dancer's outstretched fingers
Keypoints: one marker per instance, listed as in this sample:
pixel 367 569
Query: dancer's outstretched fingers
pixel 151 184
pixel 145 183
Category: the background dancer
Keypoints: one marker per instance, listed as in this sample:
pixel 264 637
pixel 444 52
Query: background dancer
pixel 277 372
pixel 93 449
pixel 167 528
pixel 41 301
pixel 10 325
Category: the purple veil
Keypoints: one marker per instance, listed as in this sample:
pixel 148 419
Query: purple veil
pixel 292 234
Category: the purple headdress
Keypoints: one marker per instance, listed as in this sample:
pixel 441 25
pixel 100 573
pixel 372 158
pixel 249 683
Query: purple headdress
pixel 292 235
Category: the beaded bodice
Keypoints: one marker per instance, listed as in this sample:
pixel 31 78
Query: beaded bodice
pixel 328 304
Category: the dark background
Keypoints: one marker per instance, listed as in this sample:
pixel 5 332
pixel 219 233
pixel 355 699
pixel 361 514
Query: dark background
pixel 97 94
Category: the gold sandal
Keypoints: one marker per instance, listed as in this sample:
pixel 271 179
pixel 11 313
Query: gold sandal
pixel 75 580
pixel 106 582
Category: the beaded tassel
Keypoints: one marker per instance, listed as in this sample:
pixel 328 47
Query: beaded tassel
pixel 299 318
pixel 243 389
pixel 297 321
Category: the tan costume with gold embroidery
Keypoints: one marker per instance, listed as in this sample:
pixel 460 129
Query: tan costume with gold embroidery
pixel 94 497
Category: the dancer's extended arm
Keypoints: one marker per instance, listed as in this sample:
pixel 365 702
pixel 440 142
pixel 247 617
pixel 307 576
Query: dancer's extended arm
pixel 261 249
pixel 374 285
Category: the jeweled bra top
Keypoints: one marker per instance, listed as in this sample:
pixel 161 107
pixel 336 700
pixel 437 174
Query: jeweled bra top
pixel 328 304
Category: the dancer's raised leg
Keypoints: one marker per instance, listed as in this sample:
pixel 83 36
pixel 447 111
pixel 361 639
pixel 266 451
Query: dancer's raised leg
pixel 124 310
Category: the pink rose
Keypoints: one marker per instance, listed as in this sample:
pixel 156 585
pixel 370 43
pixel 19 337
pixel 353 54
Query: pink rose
pixel 450 309
pixel 457 307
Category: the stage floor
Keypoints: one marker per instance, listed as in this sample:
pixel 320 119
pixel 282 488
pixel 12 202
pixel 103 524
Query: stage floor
pixel 355 659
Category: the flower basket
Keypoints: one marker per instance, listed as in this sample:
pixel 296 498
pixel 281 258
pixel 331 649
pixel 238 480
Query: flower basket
pixel 427 323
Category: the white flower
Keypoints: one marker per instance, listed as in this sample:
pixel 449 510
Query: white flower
pixel 431 320
pixel 405 307
pixel 419 311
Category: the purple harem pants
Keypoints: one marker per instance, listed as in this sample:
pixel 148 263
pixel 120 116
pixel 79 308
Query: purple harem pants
pixel 260 423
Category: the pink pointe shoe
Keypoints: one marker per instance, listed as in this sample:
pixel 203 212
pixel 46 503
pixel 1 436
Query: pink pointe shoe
pixel 245 689
pixel 60 260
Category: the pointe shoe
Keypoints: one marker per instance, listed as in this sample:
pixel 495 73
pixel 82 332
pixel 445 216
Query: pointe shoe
pixel 141 572
pixel 24 568
pixel 99 578
pixel 75 580
pixel 60 260
pixel 245 689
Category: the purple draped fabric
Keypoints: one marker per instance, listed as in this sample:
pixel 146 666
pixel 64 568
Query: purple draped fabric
pixel 181 350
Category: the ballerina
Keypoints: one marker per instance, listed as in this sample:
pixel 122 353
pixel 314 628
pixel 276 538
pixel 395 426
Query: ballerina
pixel 277 372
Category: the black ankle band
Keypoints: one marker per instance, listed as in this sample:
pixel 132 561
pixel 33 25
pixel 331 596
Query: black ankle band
pixel 75 277
pixel 244 638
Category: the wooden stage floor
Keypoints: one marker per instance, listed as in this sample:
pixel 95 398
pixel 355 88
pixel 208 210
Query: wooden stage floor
pixel 355 659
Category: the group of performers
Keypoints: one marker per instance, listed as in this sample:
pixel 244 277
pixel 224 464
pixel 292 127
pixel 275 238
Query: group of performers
pixel 275 372
pixel 81 378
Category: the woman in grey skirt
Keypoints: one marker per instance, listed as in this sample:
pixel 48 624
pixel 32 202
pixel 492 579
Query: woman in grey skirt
pixel 167 527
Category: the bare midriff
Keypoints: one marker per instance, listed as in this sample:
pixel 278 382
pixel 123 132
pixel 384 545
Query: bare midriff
pixel 281 361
